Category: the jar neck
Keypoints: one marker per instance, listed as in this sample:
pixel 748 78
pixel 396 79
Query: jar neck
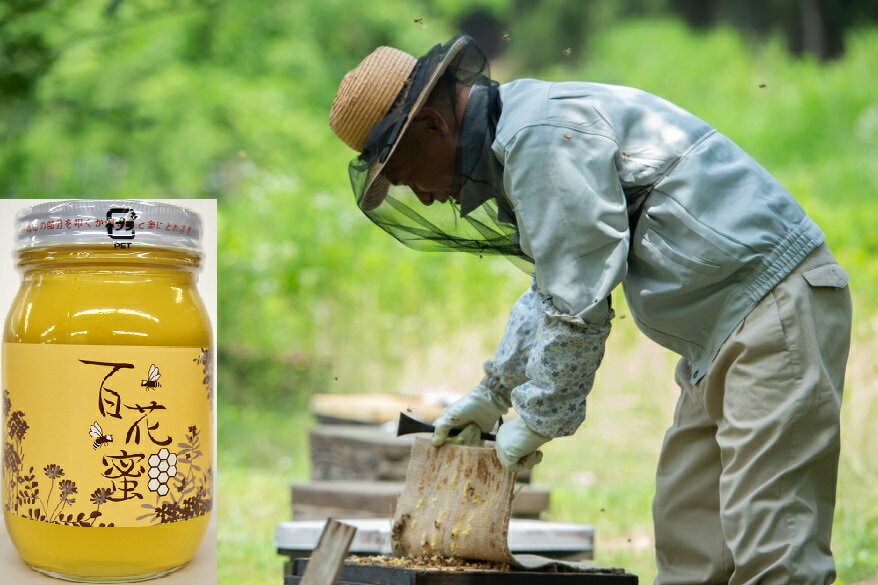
pixel 102 258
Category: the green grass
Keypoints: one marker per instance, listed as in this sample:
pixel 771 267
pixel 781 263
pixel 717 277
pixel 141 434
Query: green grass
pixel 603 475
pixel 261 454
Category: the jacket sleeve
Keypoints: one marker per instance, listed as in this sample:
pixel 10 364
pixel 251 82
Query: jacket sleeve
pixel 506 369
pixel 572 221
pixel 560 371
pixel 545 365
pixel 571 214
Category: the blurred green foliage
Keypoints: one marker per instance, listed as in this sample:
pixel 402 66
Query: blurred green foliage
pixel 230 100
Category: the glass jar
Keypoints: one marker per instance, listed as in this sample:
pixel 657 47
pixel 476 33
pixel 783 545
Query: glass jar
pixel 107 391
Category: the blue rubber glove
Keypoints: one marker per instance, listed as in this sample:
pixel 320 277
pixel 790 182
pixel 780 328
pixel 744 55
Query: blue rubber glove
pixel 476 412
pixel 517 446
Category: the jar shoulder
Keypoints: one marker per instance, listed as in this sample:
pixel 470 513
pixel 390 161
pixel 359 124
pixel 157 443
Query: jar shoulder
pixel 116 310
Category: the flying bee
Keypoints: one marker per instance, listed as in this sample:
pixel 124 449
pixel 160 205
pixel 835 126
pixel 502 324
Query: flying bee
pixel 419 21
pixel 506 36
pixel 567 52
pixel 100 438
pixel 152 378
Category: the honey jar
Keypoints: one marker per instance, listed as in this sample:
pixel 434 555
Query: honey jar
pixel 107 391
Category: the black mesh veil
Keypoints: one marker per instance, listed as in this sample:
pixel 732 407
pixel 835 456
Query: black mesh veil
pixel 477 218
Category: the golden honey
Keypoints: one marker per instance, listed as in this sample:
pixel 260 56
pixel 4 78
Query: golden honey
pixel 107 382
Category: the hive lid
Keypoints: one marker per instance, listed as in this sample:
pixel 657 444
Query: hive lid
pixel 373 536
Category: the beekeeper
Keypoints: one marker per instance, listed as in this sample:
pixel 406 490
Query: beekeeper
pixel 590 186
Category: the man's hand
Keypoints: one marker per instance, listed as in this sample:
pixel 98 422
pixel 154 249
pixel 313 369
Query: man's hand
pixel 471 436
pixel 476 412
pixel 517 446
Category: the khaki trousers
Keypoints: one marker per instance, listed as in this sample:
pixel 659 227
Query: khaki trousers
pixel 746 479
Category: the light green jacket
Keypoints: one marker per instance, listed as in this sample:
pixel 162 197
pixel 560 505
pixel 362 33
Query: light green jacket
pixel 717 232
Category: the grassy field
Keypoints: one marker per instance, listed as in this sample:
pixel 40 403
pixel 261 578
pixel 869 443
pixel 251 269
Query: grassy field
pixel 362 314
pixel 604 475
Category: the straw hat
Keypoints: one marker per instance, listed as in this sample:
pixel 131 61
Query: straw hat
pixel 366 95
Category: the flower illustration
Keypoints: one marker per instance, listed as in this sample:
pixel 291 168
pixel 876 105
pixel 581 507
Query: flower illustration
pixel 17 426
pixel 11 457
pixel 193 483
pixel 205 359
pixel 162 467
pixel 53 471
pixel 100 496
pixel 68 488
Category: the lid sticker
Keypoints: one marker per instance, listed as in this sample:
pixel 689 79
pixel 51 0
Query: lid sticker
pixel 122 223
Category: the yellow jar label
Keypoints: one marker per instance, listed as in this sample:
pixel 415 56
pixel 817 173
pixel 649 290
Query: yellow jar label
pixel 100 435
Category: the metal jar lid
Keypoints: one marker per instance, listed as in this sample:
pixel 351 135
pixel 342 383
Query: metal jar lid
pixel 122 223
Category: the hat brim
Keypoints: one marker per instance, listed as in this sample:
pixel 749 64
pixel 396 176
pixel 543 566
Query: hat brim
pixel 378 185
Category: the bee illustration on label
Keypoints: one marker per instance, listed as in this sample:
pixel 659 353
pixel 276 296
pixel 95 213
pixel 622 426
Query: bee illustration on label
pixel 100 438
pixel 152 378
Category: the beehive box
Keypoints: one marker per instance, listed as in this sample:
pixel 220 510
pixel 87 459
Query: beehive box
pixel 556 540
pixel 371 409
pixel 360 574
pixel 377 499
pixel 362 452
pixel 358 452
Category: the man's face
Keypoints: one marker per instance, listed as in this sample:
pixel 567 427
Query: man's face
pixel 425 158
